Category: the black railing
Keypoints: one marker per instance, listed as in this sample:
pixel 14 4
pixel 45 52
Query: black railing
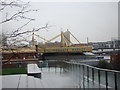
pixel 92 77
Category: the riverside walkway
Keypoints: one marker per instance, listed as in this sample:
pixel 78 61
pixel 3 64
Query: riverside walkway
pixel 66 75
pixel 52 78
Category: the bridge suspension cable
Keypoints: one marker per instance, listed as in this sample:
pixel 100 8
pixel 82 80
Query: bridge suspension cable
pixel 41 38
pixel 54 38
pixel 65 40
pixel 74 37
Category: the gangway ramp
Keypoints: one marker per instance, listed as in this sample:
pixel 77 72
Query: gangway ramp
pixel 33 70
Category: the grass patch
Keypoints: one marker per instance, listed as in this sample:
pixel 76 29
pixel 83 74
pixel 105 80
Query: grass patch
pixel 11 71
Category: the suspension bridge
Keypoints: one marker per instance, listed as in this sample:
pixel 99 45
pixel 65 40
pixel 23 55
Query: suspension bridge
pixel 32 51
pixel 65 45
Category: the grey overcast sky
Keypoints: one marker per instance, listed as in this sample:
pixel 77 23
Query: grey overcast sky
pixel 96 20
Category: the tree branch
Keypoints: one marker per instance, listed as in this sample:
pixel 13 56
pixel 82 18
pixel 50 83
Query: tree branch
pixel 29 31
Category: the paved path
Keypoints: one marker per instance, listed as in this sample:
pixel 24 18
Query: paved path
pixel 51 78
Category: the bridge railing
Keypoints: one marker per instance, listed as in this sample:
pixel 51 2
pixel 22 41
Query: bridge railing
pixel 88 76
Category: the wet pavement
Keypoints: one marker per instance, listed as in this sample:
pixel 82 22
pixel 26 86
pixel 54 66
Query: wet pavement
pixel 68 76
pixel 51 78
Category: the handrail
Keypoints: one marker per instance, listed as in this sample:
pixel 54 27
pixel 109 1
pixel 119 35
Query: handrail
pixel 108 70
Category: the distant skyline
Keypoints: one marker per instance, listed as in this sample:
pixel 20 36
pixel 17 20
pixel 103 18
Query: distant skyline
pixel 96 20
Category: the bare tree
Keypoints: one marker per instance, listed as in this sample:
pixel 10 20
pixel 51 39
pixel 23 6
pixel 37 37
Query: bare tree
pixel 19 14
pixel 17 35
pixel 4 39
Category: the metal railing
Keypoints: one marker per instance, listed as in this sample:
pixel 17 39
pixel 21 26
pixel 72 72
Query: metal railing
pixel 92 77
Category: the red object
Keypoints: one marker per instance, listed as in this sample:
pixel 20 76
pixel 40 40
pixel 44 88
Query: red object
pixel 114 58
